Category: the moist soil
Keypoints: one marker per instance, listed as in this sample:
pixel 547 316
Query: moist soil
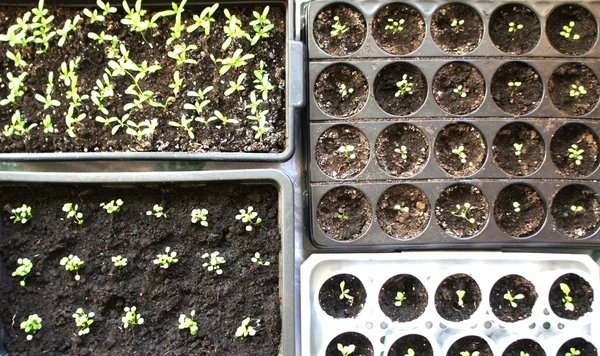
pixel 328 86
pixel 452 137
pixel 386 89
pixel 221 302
pixel 528 220
pixel 419 344
pixel 460 39
pixel 560 86
pixel 581 292
pixel 397 223
pixel 93 136
pixel 448 78
pixel 446 299
pixel 470 344
pixel 576 224
pixel 532 152
pixel 349 202
pixel 585 27
pixel 351 40
pixel 585 139
pixel 362 344
pixel 520 41
pixel 341 165
pixel 513 100
pixel 412 307
pixel 459 194
pixel 394 137
pixel 400 42
pixel 329 296
pixel 580 344
pixel 524 345
pixel 515 284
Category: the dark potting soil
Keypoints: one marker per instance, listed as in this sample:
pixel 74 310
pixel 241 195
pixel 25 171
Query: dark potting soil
pixel 342 165
pixel 403 41
pixel 221 302
pixel 560 86
pixel 527 346
pixel 353 35
pixel 563 140
pixel 329 84
pixel 398 223
pixel 515 285
pixel 530 215
pixel 458 195
pixel 394 137
pixel 576 224
pixel 470 344
pixel 93 136
pixel 585 27
pixel 419 344
pixel 452 137
pixel 532 152
pixel 446 298
pixel 458 39
pixel 580 344
pixel 412 307
pixel 329 296
pixel 386 89
pixel 344 213
pixel 364 347
pixel 521 40
pixel 517 100
pixel 581 293
pixel 450 77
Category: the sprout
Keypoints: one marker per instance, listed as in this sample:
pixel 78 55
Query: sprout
pixel 576 154
pixel 342 216
pixel 512 299
pixel 177 83
pixel 112 206
pixel 184 124
pixel 263 85
pixel 400 297
pixel 261 26
pixel 245 329
pixel 131 317
pixel 31 326
pixel 22 214
pixel 460 152
pixel 457 23
pixel 237 85
pixel 338 28
pixel 512 27
pixel 524 353
pixel 573 352
pixel 23 270
pixel 462 213
pixel 72 263
pixel 395 26
pixel 224 119
pixel 15 85
pixel 401 209
pixel 83 321
pixel 17 58
pixel 258 260
pixel 236 61
pixel 166 259
pixel 119 261
pixel 157 211
pixel 200 215
pixel 344 90
pixel 347 151
pixel 248 217
pixel 517 207
pixel 48 127
pixel 179 54
pixel 232 30
pixel 514 87
pixel 403 152
pixel 518 147
pixel 410 352
pixel 576 209
pixel 204 20
pixel 404 86
pixel 94 16
pixel 144 128
pixel 461 295
pixel 567 300
pixel 186 322
pixel 576 91
pixel 566 32
pixel 17 126
pixel 462 91
pixel 72 211
pixel 345 293
pixel 346 350
pixel 214 263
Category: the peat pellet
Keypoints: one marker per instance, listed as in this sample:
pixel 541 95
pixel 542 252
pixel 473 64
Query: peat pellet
pixel 574 89
pixel 517 88
pixel 461 210
pixel 400 89
pixel 574 150
pixel 403 211
pixel 460 149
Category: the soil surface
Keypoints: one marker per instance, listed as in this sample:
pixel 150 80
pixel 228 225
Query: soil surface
pixel 561 83
pixel 396 222
pixel 353 35
pixel 362 344
pixel 386 89
pixel 532 153
pixel 447 300
pixel 576 224
pixel 564 139
pixel 419 344
pixel 470 344
pixel 452 137
pixel 397 41
pixel 521 40
pixel 342 165
pixel 412 307
pixel 517 100
pixel 329 84
pixel 93 136
pixel 515 285
pixel 585 27
pixel 450 77
pixel 329 296
pixel 581 293
pixel 530 215
pixel 580 344
pixel 221 302
pixel 459 194
pixel 393 138
pixel 458 39
pixel 344 213
pixel 524 345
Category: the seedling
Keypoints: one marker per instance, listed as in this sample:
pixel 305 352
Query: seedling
pixel 467 353
pixel 201 216
pixel 347 151
pixel 72 263
pixel 119 261
pixel 410 352
pixel 145 128
pixel 248 217
pixel 83 320
pixel 461 294
pixel 112 206
pixel 94 16
pixel 224 119
pixel 32 325
pixel 180 52
pixel 254 103
pixel 512 299
pixel 577 91
pixel 106 8
pixel 47 100
pixel 165 260
pixel 567 32
pixel 576 209
pixel 404 86
pixel 517 207
pixel 245 329
pixel 48 127
pixel 184 124
pixel 72 211
pixel 403 152
pixel 17 58
pixel 15 85
pixel 237 85
pixel 395 26
pixel 157 211
pixel 22 214
pixel 346 350
pixel 17 126
pixel 514 87
pixel 460 152
pixel 461 211
pixel 518 147
pixel 186 322
pixel 400 297
pixel 513 27
pixel 23 270
pixel 524 353
pixel 232 30
pixel 345 293
pixel 401 209
pixel 576 154
pixel 261 26
pixel 214 263
pixel 177 83
pixel 462 91
pixel 260 129
pixel 456 24
pixel 235 61
pixel 263 85
pixel 342 216
pixel 573 352
pixel 567 300
pixel 344 90
pixel 258 260
pixel 131 318
pixel 204 20
pixel 338 28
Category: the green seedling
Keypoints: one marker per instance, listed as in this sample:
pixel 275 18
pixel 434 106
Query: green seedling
pixel 254 103
pixel 47 100
pixel 410 352
pixel 260 129
pixel 157 211
pixel 16 58
pixel 185 125
pixel 232 30
pixel 514 87
pixel 131 318
pixel 15 86
pixel 576 209
pixel 567 32
pixel 342 216
pixel 338 29
pixel 403 152
pixel 165 260
pixel 112 206
pixel 567 299
pixel 346 350
pixel 48 126
pixel 462 211
pixel 400 297
pixel 467 353
pixel 401 209
pixel 518 147
pixel 263 85
pixel 344 90
pixel 395 26
pixel 145 128
pixel 25 266
pixel 258 260
pixel 106 8
pixel 460 90
pixel 200 215
pixel 73 212
pixel 214 263
pixel 17 126
pixel 456 24
pixel 94 16
pixel 22 214
pixel 119 261
pixel 460 152
pixel 512 299
pixel 224 119
pixel 72 263
pixel 31 326
pixel 513 27
pixel 576 154
pixel 204 20
pixel 180 53
pixel 461 295
pixel 345 293
pixel 577 91
pixel 573 352
pixel 522 353
pixel 517 207
pixel 83 321
pixel 404 86
pixel 177 83
pixel 245 329
pixel 347 151
pixel 236 85
pixel 248 217
pixel 261 25
pixel 236 61
pixel 186 322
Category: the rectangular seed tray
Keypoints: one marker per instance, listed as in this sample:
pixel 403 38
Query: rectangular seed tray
pixel 428 48
pixel 249 177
